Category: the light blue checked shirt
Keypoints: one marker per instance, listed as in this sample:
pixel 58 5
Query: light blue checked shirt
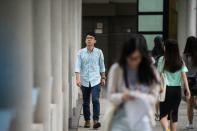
pixel 90 65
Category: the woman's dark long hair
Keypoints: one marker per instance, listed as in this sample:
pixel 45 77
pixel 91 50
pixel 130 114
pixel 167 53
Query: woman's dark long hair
pixel 188 46
pixel 191 49
pixel 146 74
pixel 173 60
pixel 158 49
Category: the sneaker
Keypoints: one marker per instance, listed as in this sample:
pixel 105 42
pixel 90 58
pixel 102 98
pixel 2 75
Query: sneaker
pixel 166 129
pixel 189 126
pixel 96 125
pixel 87 124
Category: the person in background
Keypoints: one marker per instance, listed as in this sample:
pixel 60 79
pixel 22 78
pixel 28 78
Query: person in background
pixel 174 70
pixel 134 73
pixel 190 57
pixel 90 74
pixel 157 52
pixel 158 49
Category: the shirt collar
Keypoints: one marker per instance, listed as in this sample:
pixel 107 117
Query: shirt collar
pixel 88 51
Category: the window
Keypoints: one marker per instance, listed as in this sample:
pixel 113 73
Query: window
pixel 150 23
pixel 150 6
pixel 151 20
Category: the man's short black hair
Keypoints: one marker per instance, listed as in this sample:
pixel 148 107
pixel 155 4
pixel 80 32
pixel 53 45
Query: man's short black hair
pixel 91 34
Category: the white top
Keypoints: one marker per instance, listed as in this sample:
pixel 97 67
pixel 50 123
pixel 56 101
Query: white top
pixel 116 87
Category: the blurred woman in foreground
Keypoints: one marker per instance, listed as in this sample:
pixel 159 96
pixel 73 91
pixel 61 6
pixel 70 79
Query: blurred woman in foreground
pixel 133 87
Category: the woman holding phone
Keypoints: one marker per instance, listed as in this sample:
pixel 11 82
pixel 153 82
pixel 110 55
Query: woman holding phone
pixel 133 81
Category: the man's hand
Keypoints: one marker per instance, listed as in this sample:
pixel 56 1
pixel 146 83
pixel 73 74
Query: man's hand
pixel 103 79
pixel 78 82
pixel 102 82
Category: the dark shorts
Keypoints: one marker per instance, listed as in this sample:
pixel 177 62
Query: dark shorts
pixel 171 104
pixel 193 91
pixel 192 85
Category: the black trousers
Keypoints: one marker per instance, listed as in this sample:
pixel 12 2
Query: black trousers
pixel 171 104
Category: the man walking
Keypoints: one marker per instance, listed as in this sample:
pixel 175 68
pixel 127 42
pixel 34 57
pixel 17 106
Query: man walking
pixel 90 74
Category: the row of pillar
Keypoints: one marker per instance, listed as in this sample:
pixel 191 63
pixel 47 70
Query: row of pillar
pixel 38 43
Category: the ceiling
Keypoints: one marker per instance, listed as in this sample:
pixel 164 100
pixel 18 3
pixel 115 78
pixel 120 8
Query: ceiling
pixel 109 1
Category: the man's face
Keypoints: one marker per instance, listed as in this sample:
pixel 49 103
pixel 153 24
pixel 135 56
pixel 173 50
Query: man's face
pixel 90 41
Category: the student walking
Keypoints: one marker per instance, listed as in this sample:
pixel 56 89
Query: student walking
pixel 133 87
pixel 174 70
pixel 157 52
pixel 90 75
pixel 190 57
pixel 158 49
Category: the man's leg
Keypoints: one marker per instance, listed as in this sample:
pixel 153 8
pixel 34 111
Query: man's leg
pixel 96 105
pixel 86 102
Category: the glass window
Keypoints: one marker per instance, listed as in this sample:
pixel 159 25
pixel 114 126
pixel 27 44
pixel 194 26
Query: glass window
pixel 150 23
pixel 150 40
pixel 150 5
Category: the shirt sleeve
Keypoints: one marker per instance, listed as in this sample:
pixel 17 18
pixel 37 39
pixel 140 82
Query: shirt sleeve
pixel 184 68
pixel 78 63
pixel 101 62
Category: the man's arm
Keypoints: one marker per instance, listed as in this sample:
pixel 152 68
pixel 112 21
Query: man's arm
pixel 103 78
pixel 102 63
pixel 78 80
pixel 102 69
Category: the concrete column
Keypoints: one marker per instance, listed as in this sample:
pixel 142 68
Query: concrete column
pixel 80 21
pixel 42 60
pixel 77 31
pixel 75 24
pixel 65 61
pixel 72 44
pixel 56 48
pixel 182 23
pixel 191 9
pixel 78 6
pixel 16 79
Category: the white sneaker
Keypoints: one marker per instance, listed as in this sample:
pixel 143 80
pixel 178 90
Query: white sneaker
pixel 189 126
